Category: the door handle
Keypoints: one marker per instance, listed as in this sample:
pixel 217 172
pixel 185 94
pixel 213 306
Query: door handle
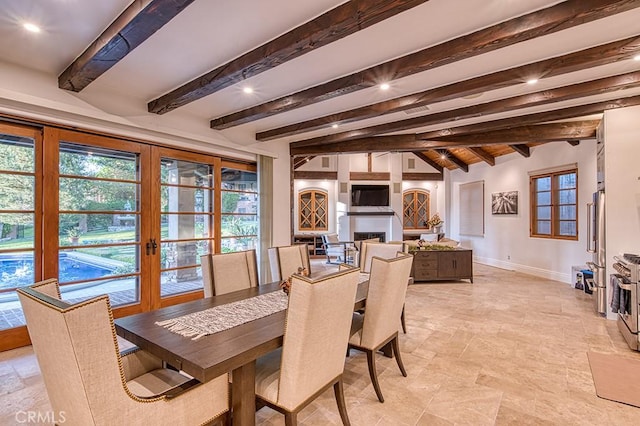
pixel 589 230
pixel 152 246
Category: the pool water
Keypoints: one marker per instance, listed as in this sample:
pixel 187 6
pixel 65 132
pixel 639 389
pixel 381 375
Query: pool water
pixel 17 270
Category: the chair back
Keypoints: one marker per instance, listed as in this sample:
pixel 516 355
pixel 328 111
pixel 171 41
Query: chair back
pixel 316 334
pixel 76 348
pixel 226 272
pixel 358 243
pixel 285 261
pixel 330 238
pixel 384 250
pixel 388 282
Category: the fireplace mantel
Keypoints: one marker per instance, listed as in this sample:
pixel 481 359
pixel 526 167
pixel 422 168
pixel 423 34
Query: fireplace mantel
pixel 370 213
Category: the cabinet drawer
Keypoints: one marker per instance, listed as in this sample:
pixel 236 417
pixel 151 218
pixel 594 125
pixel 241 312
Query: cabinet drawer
pixel 421 275
pixel 426 264
pixel 425 255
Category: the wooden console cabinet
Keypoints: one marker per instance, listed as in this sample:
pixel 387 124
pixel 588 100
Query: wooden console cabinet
pixel 440 265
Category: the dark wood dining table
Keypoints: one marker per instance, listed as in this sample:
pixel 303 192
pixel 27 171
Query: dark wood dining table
pixel 233 350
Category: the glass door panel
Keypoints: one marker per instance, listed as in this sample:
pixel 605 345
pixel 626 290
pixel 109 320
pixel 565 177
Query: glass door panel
pixel 99 224
pixel 186 223
pixel 239 210
pixel 20 256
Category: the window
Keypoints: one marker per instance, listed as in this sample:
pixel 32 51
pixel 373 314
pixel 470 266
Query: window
pixel 239 208
pixel 312 210
pixel 554 201
pixel 415 207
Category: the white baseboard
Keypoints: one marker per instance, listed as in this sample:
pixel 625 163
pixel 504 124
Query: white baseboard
pixel 538 272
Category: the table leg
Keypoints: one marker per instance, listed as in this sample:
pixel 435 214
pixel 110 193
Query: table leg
pixel 243 394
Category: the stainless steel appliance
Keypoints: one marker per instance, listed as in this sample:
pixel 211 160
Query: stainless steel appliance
pixel 596 246
pixel 626 300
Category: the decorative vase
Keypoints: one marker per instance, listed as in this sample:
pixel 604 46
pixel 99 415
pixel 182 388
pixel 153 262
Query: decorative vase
pixel 437 229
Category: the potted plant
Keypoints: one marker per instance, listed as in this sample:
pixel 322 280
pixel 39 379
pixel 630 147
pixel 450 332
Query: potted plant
pixel 74 235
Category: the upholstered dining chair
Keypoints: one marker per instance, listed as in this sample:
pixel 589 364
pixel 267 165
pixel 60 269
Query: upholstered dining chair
pixel 378 325
pixel 91 383
pixel 315 340
pixel 226 272
pixel 369 249
pixel 285 261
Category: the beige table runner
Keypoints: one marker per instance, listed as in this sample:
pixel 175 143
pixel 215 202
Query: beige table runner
pixel 223 317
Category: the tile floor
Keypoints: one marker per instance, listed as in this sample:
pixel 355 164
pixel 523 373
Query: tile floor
pixel 510 349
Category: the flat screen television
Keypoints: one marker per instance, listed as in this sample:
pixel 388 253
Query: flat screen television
pixel 369 195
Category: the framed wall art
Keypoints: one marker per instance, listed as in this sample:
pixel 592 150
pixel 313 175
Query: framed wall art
pixel 504 202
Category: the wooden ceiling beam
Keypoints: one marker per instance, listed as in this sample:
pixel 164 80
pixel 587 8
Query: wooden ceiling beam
pixel 544 97
pixel 447 155
pixel 429 161
pixel 528 119
pixel 561 16
pixel 483 155
pixel 584 59
pixel 583 129
pixel 339 22
pixel 521 149
pixel 130 29
pixel 475 135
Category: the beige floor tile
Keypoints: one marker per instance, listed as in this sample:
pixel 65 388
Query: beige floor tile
pixel 510 349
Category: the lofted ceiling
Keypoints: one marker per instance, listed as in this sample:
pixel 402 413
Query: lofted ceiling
pixel 457 70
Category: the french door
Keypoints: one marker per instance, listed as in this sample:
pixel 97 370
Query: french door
pixel 115 217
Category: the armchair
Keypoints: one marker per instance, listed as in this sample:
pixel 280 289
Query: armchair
pixel 338 251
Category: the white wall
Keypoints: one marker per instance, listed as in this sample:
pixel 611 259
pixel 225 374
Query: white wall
pixel 506 242
pixel 622 185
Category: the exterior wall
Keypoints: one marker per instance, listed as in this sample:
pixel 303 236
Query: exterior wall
pixel 506 242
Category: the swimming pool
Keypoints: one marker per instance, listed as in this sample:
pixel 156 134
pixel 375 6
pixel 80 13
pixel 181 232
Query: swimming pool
pixel 16 270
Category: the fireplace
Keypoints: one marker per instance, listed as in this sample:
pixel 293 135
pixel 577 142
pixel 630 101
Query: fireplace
pixel 357 236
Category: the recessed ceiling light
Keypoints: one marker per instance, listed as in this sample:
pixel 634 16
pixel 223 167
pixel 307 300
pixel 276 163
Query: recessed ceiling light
pixel 31 27
pixel 532 81
pixel 247 90
pixel 443 156
pixel 384 86
pixel 334 126
pixel 636 58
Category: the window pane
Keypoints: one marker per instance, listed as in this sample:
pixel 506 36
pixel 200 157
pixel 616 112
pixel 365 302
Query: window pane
pixel 233 244
pixel 184 199
pixel 92 229
pixel 16 231
pixel 544 227
pixel 567 212
pixel 239 180
pixel 239 202
pixel 181 254
pixel 82 194
pixel 568 228
pixel 99 262
pixel 180 281
pixel 177 172
pixel 185 226
pixel 238 226
pixel 121 291
pixel 91 161
pixel 544 213
pixel 567 181
pixel 544 198
pixel 16 192
pixel 543 184
pixel 16 270
pixel 567 196
pixel 16 153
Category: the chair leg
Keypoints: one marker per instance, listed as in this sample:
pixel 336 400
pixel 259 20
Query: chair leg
pixel 290 419
pixel 404 324
pixel 396 352
pixel 338 389
pixel 371 362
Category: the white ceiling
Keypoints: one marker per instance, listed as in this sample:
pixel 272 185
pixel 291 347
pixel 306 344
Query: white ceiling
pixel 209 33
